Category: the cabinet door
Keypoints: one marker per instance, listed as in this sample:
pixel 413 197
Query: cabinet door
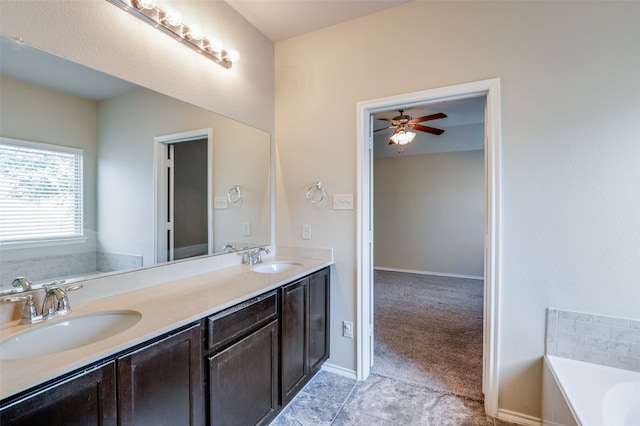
pixel 319 287
pixel 243 380
pixel 161 384
pixel 83 400
pixel 294 338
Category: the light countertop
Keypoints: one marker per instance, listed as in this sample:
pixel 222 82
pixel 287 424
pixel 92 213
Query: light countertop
pixel 164 308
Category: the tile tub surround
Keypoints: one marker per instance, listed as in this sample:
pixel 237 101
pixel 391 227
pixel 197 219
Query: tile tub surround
pixel 610 341
pixel 72 265
pixel 48 267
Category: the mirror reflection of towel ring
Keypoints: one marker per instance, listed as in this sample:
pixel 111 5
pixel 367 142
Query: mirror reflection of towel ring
pixel 234 195
pixel 316 193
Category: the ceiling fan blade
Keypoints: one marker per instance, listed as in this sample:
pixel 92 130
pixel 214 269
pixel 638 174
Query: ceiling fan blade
pixel 385 119
pixel 384 128
pixel 427 129
pixel 428 118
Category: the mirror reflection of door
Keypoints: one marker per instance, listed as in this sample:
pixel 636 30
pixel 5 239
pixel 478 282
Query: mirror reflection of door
pixel 183 215
pixel 188 213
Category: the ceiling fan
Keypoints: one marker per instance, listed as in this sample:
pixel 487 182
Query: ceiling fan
pixel 403 123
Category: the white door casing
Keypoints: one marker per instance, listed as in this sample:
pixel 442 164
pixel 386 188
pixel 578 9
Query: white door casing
pixel 490 89
pixel 162 198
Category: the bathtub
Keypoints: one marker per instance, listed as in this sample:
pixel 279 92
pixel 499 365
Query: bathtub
pixel 578 393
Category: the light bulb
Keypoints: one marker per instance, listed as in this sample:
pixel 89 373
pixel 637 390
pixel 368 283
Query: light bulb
pixel 146 4
pixel 232 55
pixel 195 32
pixel 403 137
pixel 215 45
pixel 173 17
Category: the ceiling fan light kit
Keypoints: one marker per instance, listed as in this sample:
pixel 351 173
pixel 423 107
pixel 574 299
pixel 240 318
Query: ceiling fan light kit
pixel 404 124
pixel 402 137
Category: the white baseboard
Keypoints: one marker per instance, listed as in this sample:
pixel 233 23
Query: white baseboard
pixel 518 418
pixel 341 371
pixel 440 274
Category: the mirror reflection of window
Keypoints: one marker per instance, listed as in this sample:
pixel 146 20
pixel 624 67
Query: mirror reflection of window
pixel 40 192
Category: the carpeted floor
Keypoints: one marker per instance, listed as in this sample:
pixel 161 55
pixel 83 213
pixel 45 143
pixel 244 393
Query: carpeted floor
pixel 428 331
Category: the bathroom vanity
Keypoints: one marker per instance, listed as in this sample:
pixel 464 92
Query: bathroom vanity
pixel 237 361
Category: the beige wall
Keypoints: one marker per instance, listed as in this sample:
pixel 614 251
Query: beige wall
pixel 570 158
pixel 429 213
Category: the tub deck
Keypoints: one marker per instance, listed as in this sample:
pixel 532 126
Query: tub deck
pixel 585 387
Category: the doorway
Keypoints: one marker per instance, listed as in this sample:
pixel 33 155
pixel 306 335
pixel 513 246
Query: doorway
pixel 365 325
pixel 183 216
pixel 187 235
pixel 429 247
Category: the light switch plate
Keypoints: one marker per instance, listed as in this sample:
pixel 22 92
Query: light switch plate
pixel 343 201
pixel 306 232
pixel 219 202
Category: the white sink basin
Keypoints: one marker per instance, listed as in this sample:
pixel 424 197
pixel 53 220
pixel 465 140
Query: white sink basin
pixel 67 333
pixel 275 267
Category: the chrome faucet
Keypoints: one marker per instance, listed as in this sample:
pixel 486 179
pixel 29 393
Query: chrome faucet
pixel 56 301
pixel 229 248
pixel 255 256
pixel 22 282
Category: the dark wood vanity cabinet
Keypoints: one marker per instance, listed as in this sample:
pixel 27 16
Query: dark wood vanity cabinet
pixel 243 363
pixel 295 365
pixel 319 319
pixel 161 383
pixel 238 367
pixel 85 399
pixel 304 331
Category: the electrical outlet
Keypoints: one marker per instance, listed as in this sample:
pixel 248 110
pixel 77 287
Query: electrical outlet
pixel 306 232
pixel 246 229
pixel 347 329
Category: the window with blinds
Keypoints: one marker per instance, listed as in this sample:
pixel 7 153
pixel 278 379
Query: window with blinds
pixel 40 192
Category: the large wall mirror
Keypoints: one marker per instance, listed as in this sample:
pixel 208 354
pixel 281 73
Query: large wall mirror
pixel 162 180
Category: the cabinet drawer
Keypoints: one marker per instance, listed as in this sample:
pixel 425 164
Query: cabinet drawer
pixel 231 324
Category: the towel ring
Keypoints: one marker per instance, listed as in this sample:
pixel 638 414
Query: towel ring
pixel 234 195
pixel 316 193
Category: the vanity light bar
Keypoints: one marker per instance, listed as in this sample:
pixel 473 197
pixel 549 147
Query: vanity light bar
pixel 170 22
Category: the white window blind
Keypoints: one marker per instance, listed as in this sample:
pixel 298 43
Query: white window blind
pixel 40 191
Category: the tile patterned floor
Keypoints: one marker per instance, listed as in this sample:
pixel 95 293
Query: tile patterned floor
pixel 331 399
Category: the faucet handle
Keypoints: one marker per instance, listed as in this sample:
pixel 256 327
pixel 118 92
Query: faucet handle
pixel 30 312
pixel 54 284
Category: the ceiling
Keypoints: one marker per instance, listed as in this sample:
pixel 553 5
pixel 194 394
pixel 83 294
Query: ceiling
pixel 24 62
pixel 282 19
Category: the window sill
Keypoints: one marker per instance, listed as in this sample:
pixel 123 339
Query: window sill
pixel 41 243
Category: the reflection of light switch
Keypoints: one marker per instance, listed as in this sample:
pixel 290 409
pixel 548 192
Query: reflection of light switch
pixel 219 202
pixel 246 229
pixel 343 201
